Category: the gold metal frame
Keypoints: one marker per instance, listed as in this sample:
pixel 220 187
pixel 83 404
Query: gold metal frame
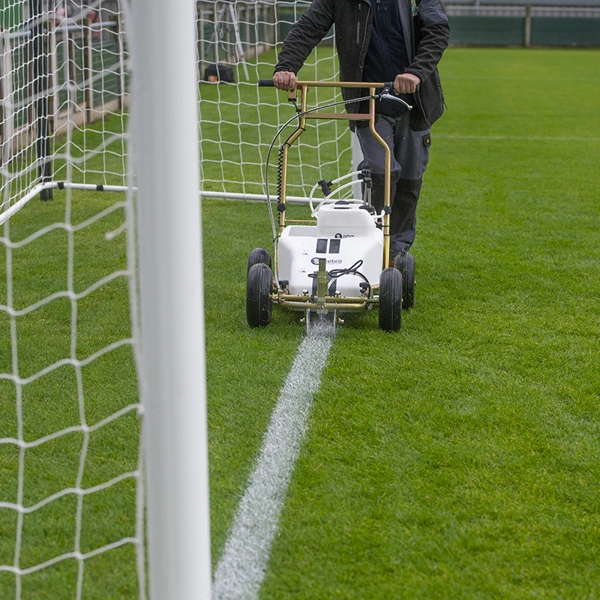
pixel 303 87
pixel 323 303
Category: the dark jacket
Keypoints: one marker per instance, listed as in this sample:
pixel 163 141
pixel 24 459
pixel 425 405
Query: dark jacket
pixel 426 35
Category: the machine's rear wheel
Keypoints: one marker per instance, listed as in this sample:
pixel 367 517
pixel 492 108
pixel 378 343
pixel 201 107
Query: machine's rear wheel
pixel 259 256
pixel 390 300
pixel 258 290
pixel 405 263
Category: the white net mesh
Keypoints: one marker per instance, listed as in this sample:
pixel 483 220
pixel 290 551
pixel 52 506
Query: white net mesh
pixel 70 466
pixel 238 122
pixel 62 68
pixel 71 491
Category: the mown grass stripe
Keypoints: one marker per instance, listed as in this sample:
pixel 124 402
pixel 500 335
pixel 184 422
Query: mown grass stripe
pixel 241 569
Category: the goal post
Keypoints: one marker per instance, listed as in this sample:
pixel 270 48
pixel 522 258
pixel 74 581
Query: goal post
pixel 165 117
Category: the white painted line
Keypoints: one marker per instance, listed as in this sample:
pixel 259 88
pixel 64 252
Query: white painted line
pixel 241 570
pixel 532 138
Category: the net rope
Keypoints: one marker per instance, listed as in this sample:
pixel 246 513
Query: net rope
pixel 238 122
pixel 71 463
pixel 72 511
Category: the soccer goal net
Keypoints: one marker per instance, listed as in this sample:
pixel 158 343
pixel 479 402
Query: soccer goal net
pixel 73 499
pixel 239 122
pixel 71 522
pixel 63 97
pixel 64 94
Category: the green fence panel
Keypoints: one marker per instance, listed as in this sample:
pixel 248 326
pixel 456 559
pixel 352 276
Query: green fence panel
pixel 565 31
pixel 493 31
pixel 287 18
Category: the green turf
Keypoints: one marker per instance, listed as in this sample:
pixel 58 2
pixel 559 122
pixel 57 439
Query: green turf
pixel 50 398
pixel 459 459
pixel 455 459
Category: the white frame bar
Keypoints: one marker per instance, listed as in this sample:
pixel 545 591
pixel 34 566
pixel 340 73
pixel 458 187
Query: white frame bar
pixel 165 122
pixel 92 187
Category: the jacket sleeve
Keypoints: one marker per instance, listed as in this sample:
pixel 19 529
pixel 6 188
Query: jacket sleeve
pixel 308 31
pixel 432 35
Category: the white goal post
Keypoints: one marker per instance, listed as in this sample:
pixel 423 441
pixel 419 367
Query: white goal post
pixel 165 114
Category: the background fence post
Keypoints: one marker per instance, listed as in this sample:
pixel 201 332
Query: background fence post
pixel 527 40
pixel 40 92
pixel 88 94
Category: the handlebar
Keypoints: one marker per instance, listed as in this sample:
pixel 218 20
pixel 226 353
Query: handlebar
pixel 342 84
pixel 383 95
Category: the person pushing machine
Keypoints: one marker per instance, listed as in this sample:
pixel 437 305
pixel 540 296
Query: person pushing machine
pixel 400 41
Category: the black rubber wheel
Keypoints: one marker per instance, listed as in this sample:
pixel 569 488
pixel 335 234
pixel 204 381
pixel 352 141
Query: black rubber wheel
pixel 258 289
pixel 259 256
pixel 405 263
pixel 390 300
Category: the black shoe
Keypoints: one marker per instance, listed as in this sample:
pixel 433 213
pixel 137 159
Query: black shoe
pixel 398 249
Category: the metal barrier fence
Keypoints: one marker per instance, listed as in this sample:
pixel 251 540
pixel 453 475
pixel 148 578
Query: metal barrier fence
pixel 476 22
pixel 519 23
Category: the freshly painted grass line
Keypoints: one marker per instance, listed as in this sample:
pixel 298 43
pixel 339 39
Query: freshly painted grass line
pixel 241 569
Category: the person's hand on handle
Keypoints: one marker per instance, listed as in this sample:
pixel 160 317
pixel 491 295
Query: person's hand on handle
pixel 285 80
pixel 406 83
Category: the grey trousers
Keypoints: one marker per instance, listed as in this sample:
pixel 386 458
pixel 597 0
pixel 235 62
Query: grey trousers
pixel 410 155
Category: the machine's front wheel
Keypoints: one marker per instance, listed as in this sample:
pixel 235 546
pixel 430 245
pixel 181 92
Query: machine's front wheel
pixel 405 263
pixel 390 300
pixel 258 256
pixel 258 290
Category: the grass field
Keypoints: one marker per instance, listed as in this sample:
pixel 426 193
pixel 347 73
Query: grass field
pixel 456 459
pixel 56 396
